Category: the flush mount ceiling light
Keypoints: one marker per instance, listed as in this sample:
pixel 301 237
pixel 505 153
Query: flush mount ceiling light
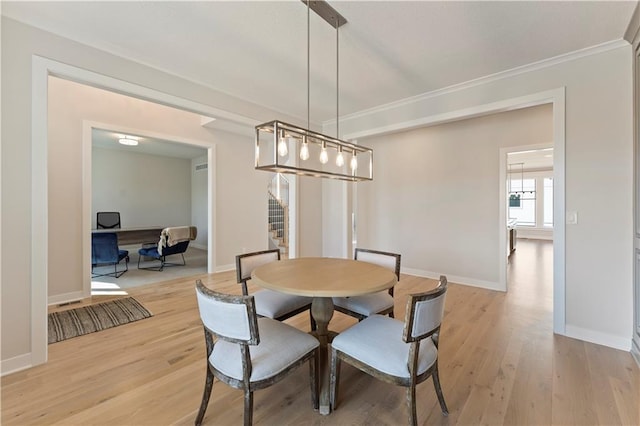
pixel 313 154
pixel 128 140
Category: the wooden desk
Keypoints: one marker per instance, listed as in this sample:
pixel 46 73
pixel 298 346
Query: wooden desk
pixel 127 236
pixel 323 278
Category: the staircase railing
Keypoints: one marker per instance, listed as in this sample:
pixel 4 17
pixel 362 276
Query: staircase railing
pixel 279 220
pixel 279 210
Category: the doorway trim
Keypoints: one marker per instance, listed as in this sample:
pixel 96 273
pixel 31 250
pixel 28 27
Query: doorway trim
pixel 87 167
pixel 41 69
pixel 555 97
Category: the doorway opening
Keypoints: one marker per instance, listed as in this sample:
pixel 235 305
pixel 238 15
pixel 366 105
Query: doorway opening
pixel 530 223
pixel 43 69
pixel 126 179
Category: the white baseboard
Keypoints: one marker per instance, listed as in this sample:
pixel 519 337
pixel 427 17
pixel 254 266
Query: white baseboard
pixel 199 246
pixel 599 338
pixel 535 234
pixel 489 285
pixel 15 364
pixel 224 268
pixel 65 297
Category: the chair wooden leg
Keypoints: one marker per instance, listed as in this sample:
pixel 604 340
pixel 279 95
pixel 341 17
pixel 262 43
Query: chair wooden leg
pixel 411 404
pixel 248 407
pixel 205 397
pixel 436 384
pixel 313 373
pixel 334 378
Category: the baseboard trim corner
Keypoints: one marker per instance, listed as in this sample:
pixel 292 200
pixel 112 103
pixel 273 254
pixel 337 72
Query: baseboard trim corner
pixel 599 338
pixel 224 268
pixel 65 298
pixel 15 364
pixel 472 282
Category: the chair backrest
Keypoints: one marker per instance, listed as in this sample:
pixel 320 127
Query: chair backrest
pixel 382 258
pixel 424 313
pixel 108 220
pixel 104 247
pixel 247 262
pixel 228 317
pixel 178 248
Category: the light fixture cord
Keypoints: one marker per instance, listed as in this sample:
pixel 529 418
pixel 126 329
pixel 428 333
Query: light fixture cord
pixel 308 64
pixel 337 79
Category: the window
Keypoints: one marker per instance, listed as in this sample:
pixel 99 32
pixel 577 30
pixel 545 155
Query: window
pixel 547 202
pixel 526 212
pixel 535 208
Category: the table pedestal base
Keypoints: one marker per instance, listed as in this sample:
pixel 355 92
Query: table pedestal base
pixel 322 311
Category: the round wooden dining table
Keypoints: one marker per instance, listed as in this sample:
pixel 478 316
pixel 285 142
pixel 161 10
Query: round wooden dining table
pixel 323 278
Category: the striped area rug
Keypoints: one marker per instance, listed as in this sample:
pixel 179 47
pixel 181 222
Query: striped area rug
pixel 89 319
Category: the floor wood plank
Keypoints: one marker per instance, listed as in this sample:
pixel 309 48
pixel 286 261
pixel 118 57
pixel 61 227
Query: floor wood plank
pixel 499 360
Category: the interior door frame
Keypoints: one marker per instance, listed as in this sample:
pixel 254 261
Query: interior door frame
pixel 555 97
pixel 87 189
pixel 41 69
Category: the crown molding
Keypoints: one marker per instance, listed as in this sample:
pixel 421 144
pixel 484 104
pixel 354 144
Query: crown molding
pixel 632 35
pixel 545 63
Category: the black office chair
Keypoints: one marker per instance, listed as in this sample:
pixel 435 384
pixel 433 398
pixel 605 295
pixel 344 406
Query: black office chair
pixel 108 220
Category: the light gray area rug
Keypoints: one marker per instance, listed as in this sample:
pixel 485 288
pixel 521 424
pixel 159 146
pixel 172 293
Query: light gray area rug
pixel 89 319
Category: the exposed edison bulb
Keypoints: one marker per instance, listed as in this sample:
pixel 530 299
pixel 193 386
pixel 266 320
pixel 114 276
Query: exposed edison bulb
pixel 354 162
pixel 304 150
pixel 324 156
pixel 283 150
pixel 340 158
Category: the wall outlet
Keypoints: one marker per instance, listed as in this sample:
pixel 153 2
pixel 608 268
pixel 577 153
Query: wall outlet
pixel 572 218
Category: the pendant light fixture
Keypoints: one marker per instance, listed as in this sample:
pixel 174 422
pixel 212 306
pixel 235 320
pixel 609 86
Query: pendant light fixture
pixel 314 154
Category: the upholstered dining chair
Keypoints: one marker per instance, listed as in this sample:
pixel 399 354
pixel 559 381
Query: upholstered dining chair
pixel 361 307
pixel 248 352
pixel 105 251
pixel 269 303
pixel 403 354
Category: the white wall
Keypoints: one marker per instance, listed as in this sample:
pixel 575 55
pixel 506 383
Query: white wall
pixel 242 216
pixel 147 190
pixel 435 198
pixel 199 201
pixel 598 173
pixel 233 153
pixel 310 227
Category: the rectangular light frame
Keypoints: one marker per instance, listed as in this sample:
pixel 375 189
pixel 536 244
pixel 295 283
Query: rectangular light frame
pixel 274 163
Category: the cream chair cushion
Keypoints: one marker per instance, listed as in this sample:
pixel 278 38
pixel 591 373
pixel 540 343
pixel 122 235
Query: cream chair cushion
pixel 366 305
pixel 274 305
pixel 280 346
pixel 377 341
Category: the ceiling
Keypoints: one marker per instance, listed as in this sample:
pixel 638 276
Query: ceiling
pixel 536 159
pixel 389 50
pixel 109 140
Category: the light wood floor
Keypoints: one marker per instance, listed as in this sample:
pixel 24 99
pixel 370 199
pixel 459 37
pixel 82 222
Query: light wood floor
pixel 499 363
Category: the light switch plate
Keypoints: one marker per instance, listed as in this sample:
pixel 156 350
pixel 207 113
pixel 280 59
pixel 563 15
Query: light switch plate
pixel 572 218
